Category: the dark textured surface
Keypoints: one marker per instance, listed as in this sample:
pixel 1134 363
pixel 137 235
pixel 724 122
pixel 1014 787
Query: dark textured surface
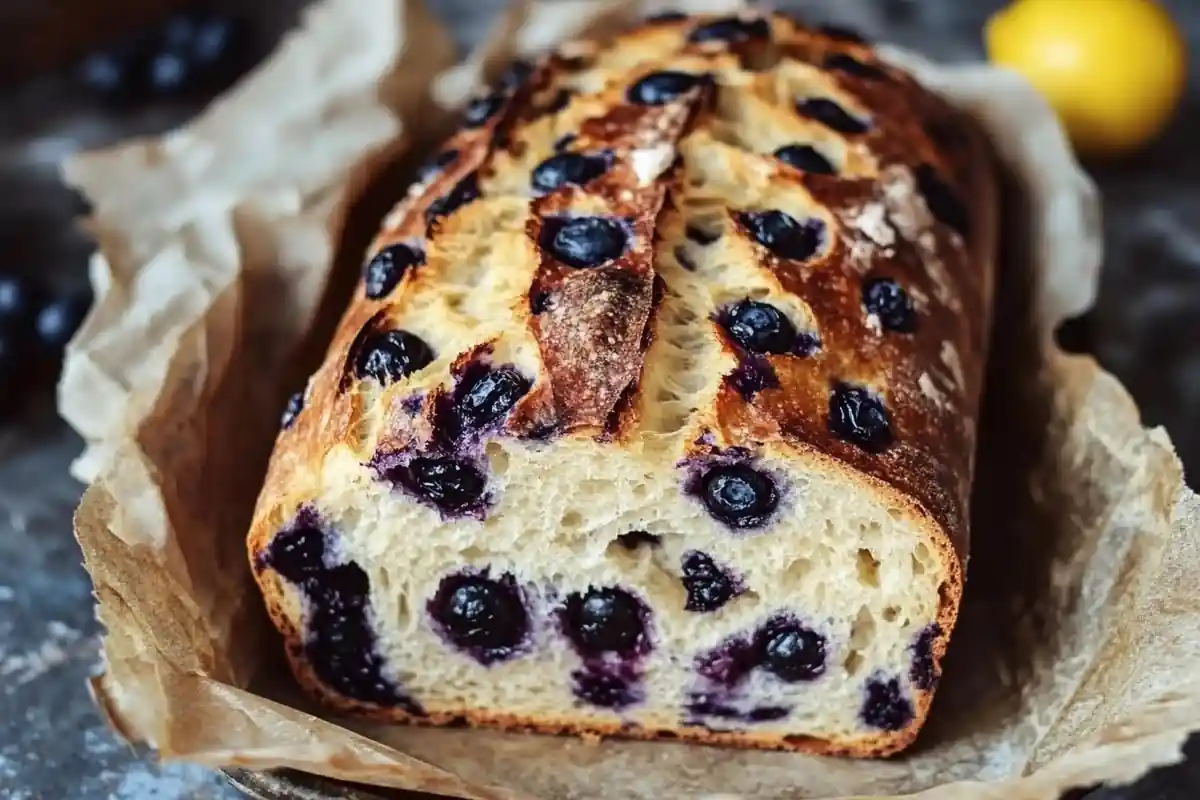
pixel 53 744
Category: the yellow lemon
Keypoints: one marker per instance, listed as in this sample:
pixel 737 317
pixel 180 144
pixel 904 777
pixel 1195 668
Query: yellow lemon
pixel 1114 70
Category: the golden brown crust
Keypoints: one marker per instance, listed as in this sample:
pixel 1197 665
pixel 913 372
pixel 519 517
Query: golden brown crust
pixel 594 337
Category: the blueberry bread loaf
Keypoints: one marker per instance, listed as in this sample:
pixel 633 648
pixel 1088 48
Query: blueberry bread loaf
pixel 654 411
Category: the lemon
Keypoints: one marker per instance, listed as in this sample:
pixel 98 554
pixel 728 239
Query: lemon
pixel 1114 70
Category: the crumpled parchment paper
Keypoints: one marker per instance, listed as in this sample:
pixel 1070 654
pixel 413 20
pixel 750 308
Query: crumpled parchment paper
pixel 225 251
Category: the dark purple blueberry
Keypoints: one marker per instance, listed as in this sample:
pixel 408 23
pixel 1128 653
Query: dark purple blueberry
pixel 706 705
pixel 585 241
pixel 298 553
pixel 728 663
pixel 295 405
pixel 604 689
pixel 605 620
pixel 684 260
pixel 481 109
pixel 388 356
pixel 790 651
pixel 383 272
pixel 480 614
pixel 841 62
pixel 109 73
pixel 924 673
pixel 14 356
pixel 885 706
pixel 702 235
pixel 19 301
pixel 708 586
pixel 487 396
pixel 731 29
pixel 660 88
pixel 169 72
pixel 760 327
pixel 447 483
pixel 739 495
pixel 563 142
pixel 806 344
pixel 768 713
pixel 944 203
pixel 635 539
pixel 842 33
pixel 805 158
pixel 59 319
pixel 569 168
pixel 540 302
pixel 434 166
pixel 197 50
pixel 887 300
pixel 665 16
pixel 857 416
pixel 463 192
pixel 752 375
pixel 783 234
pixel 515 75
pixel 831 115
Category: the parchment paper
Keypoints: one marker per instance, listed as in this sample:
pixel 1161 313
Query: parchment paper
pixel 226 249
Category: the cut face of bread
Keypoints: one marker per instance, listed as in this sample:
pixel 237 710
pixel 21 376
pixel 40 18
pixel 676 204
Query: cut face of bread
pixel 654 414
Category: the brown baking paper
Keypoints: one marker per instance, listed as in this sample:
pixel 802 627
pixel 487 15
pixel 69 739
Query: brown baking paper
pixel 225 249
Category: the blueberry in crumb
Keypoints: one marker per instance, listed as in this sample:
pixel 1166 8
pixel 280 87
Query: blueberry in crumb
pixel 729 663
pixel 585 241
pixel 831 115
pixel 58 320
pixel 858 416
pixel 463 192
pixel 944 203
pixel 888 301
pixel 436 165
pixel 923 672
pixel 481 109
pixel 487 396
pixel 783 234
pixel 702 235
pixel 568 168
pixel 540 302
pixel 383 272
pixel 790 651
pixel 739 495
pixel 752 375
pixel 841 62
pixel 388 356
pixel 885 706
pixel 731 29
pixel 660 88
pixel 605 620
pixel 760 327
pixel 480 614
pixel 768 713
pixel 842 33
pixel 605 689
pixel 298 553
pixel 563 142
pixel 449 484
pixel 806 344
pixel 708 586
pixel 635 539
pixel 295 405
pixel 805 158
pixel 19 302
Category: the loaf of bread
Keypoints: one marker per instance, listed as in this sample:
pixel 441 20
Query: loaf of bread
pixel 653 415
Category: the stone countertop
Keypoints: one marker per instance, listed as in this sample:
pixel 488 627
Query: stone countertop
pixel 52 742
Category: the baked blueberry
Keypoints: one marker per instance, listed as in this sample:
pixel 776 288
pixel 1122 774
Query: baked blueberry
pixel 660 88
pixel 944 203
pixel 783 234
pixel 635 539
pixel 858 416
pixel 731 661
pixel 731 29
pixel 923 672
pixel 708 586
pixel 739 495
pixel 841 62
pixel 831 115
pixel 449 484
pixel 585 241
pixel 19 301
pixel 111 72
pixel 805 158
pixel 888 301
pixel 605 689
pixel 885 706
pixel 481 109
pixel 58 320
pixel 569 168
pixel 665 16
pixel 540 302
pixel 767 713
pixel 842 33
pixel 485 397
pixel 790 651
pixel 298 553
pixel 295 405
pixel 434 166
pixel 388 356
pixel 702 235
pixel 605 620
pixel 806 344
pixel 463 192
pixel 384 271
pixel 563 142
pixel 760 327
pixel 752 375
pixel 482 615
